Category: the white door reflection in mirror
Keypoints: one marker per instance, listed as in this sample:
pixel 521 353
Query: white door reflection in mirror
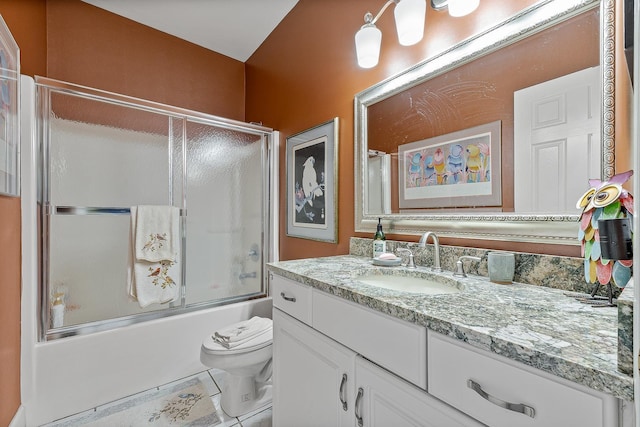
pixel 557 142
pixel 379 195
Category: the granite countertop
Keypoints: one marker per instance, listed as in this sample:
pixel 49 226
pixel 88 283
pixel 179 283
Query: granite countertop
pixel 541 327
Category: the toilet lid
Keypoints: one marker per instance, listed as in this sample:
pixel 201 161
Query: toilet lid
pixel 259 341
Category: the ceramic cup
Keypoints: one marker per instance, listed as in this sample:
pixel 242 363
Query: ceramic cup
pixel 502 266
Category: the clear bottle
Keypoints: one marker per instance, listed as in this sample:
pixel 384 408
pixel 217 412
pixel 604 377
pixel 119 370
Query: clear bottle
pixel 379 241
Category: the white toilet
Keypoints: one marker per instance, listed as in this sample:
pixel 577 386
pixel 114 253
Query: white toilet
pixel 247 383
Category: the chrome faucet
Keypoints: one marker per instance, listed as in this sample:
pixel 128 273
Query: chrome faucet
pixel 411 263
pixel 460 267
pixel 436 248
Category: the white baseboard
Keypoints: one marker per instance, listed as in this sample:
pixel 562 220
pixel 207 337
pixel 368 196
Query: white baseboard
pixel 19 419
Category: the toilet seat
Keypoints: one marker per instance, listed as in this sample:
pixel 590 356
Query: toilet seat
pixel 213 347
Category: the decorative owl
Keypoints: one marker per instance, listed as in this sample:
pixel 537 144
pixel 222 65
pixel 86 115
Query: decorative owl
pixel 604 200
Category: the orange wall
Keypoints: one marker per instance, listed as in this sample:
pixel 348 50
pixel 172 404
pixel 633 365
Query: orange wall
pixel 305 73
pixel 92 47
pixel 10 313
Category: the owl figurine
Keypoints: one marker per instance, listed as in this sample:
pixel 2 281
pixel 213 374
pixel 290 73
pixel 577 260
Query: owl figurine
pixel 604 200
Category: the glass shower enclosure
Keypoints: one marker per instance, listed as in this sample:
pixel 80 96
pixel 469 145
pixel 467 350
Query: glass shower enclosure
pixel 101 154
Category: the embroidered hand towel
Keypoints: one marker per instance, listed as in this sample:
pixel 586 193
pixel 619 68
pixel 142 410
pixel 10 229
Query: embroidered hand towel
pixel 157 232
pixel 154 282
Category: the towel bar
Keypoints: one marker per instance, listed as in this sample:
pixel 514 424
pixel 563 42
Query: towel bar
pixel 93 210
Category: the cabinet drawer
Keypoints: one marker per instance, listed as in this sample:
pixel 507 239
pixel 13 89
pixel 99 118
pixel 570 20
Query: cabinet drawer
pixel 291 297
pixel 482 384
pixel 394 344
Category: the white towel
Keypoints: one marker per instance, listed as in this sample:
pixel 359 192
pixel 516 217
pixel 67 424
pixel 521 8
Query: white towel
pixel 243 332
pixel 155 282
pixel 156 237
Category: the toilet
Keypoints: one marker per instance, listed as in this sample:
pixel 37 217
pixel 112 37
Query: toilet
pixel 247 366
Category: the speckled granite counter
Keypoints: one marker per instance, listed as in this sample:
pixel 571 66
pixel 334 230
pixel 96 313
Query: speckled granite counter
pixel 535 325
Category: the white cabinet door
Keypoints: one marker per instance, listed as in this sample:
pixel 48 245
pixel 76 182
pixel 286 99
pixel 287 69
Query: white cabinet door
pixel 313 381
pixel 385 400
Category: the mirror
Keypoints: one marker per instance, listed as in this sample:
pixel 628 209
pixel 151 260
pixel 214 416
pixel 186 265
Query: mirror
pixel 409 113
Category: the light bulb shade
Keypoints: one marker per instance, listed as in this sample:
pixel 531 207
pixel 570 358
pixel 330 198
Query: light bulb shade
pixel 459 8
pixel 410 15
pixel 368 40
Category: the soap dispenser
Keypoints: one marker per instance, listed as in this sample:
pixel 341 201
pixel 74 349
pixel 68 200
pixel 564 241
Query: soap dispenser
pixel 379 241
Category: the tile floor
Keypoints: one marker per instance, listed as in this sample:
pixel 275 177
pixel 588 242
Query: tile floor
pixel 212 380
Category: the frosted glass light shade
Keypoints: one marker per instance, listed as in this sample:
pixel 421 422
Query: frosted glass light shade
pixel 410 15
pixel 368 40
pixel 459 8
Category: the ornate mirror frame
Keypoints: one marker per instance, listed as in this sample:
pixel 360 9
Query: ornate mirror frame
pixel 539 228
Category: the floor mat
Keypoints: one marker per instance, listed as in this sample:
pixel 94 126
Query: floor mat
pixel 185 404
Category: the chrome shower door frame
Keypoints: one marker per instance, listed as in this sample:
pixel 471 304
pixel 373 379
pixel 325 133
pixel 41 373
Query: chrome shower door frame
pixel 177 139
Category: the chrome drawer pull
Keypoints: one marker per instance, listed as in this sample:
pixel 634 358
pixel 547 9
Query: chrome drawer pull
pixel 286 298
pixel 358 410
pixel 342 392
pixel 516 407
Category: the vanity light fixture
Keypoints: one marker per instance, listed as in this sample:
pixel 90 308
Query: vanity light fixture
pixel 459 8
pixel 409 16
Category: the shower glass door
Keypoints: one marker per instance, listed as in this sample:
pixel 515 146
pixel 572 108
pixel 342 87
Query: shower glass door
pixel 103 153
pixel 224 189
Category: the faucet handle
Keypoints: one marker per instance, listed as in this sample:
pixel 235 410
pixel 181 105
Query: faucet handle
pixel 460 267
pixel 412 263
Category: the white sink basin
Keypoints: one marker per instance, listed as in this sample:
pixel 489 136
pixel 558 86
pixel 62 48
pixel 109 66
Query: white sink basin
pixel 423 285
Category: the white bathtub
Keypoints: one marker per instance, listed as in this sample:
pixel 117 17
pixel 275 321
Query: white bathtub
pixel 74 374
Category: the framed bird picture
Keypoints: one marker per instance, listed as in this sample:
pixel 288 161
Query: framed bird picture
pixel 312 199
pixel 457 170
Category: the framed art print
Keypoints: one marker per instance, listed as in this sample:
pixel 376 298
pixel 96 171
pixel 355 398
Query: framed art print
pixel 312 208
pixel 459 169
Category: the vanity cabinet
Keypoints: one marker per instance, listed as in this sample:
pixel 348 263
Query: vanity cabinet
pixel 337 363
pixel 318 381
